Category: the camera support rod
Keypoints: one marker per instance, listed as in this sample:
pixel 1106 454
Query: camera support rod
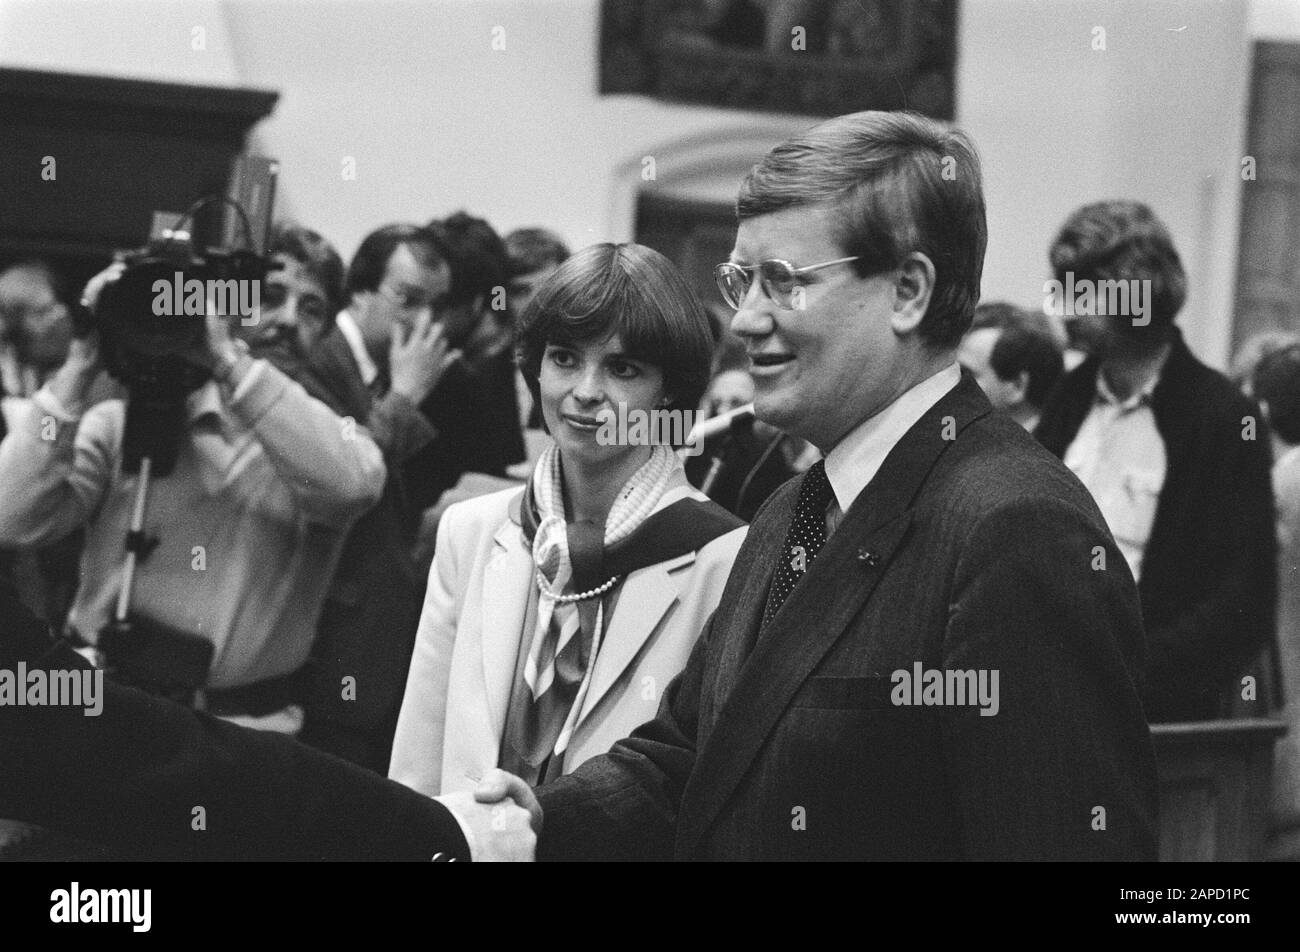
pixel 134 539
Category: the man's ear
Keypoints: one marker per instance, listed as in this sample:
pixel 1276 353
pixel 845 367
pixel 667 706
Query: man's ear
pixel 913 286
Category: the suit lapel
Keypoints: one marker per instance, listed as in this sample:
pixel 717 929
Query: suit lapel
pixel 652 590
pixel 334 365
pixel 818 611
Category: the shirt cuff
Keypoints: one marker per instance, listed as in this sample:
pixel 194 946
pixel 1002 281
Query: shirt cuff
pixel 464 828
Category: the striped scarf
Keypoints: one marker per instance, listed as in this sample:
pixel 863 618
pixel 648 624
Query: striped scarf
pixel 557 661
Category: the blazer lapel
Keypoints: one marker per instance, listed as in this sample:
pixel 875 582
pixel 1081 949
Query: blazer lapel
pixel 333 363
pixel 844 577
pixel 507 582
pixel 646 597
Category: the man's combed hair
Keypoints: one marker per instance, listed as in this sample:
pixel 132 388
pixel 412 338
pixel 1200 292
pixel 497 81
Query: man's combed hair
pixel 316 255
pixel 371 260
pixel 632 291
pixel 906 184
pixel 1123 241
pixel 476 254
pixel 1026 350
pixel 531 249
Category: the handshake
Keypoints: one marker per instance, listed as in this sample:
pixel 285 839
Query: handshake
pixel 500 819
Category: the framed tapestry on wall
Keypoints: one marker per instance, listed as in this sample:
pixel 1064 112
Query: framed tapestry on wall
pixel 820 57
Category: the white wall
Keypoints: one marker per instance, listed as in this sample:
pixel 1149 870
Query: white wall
pixel 437 120
pixel 1158 116
pixel 1275 20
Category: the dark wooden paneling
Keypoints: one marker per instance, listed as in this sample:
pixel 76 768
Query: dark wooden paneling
pixel 1214 787
pixel 123 148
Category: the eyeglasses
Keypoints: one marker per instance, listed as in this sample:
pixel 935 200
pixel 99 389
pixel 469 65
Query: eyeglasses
pixel 778 279
pixel 412 302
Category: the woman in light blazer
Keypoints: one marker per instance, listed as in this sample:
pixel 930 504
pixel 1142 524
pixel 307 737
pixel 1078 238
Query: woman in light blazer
pixel 557 614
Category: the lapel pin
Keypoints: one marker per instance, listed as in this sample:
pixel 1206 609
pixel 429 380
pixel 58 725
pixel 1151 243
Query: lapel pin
pixel 870 558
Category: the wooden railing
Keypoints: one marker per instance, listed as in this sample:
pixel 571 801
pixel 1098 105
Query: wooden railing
pixel 1215 781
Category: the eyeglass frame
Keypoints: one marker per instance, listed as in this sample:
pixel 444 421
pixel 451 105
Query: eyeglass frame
pixel 789 266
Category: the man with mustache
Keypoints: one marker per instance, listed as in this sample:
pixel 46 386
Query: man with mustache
pixel 248 525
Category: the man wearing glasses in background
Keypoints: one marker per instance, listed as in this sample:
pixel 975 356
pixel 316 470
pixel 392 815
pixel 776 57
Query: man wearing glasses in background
pixel 928 643
pixel 382 360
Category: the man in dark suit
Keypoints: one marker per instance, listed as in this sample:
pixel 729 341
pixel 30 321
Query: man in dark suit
pixel 928 645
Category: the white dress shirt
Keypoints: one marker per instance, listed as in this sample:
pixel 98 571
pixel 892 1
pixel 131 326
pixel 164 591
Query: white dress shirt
pixel 1119 456
pixel 856 459
pixel 250 523
pixel 352 334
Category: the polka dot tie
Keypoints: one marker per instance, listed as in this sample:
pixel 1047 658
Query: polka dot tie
pixel 805 539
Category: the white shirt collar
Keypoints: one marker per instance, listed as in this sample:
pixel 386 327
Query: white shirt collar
pixel 856 459
pixel 352 334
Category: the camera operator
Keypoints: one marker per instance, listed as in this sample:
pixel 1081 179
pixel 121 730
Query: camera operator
pixel 248 525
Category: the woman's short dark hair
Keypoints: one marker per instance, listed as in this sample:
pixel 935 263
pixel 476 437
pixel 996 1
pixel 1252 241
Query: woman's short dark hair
pixel 316 255
pixel 629 290
pixel 1123 241
pixel 903 183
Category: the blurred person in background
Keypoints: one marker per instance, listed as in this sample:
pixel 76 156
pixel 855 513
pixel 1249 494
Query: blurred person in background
pixel 1015 359
pixel 35 327
pixel 1253 350
pixel 534 255
pixel 474 407
pixel 1276 384
pixel 1163 444
pixel 36 304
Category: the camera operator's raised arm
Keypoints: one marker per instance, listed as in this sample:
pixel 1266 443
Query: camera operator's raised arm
pixel 330 465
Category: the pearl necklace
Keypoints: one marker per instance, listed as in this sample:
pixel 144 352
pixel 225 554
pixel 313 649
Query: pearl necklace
pixel 544 587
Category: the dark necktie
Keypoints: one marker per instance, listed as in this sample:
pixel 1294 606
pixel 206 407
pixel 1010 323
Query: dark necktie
pixel 805 539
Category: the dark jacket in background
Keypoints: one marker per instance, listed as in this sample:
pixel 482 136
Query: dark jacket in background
pixel 132 776
pixel 476 415
pixel 367 626
pixel 1208 582
pixel 752 469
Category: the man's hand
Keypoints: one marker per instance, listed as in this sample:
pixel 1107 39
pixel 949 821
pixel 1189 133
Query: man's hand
pixel 71 383
pixel 496 785
pixel 497 833
pixel 417 360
